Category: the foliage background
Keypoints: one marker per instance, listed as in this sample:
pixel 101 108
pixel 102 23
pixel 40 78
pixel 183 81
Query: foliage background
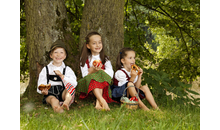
pixel 165 35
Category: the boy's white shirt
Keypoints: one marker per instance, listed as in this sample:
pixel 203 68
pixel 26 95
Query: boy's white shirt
pixel 121 77
pixel 68 77
pixel 108 66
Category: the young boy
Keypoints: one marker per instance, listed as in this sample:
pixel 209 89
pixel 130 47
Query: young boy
pixel 61 77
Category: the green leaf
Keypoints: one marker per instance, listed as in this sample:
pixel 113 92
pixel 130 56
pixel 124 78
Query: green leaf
pixel 149 80
pixel 166 84
pixel 164 75
pixel 156 77
pixel 193 92
pixel 188 85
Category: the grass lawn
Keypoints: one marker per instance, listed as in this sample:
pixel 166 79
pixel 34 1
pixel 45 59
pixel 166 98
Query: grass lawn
pixel 82 116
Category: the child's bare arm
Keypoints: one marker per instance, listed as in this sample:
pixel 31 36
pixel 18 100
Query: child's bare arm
pixel 57 72
pixel 94 69
pixel 138 83
pixel 133 75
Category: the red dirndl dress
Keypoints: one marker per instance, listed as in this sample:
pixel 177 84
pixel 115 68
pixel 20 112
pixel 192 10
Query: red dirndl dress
pixel 94 84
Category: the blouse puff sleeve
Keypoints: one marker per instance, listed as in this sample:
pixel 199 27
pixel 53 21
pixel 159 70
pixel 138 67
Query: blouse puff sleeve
pixel 108 68
pixel 84 70
pixel 121 77
pixel 70 76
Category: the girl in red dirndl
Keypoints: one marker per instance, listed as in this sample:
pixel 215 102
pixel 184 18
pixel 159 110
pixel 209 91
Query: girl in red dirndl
pixel 96 78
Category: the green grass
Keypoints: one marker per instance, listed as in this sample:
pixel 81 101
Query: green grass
pixel 82 116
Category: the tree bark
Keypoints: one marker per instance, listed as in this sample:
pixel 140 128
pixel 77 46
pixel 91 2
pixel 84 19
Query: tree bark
pixel 105 17
pixel 46 21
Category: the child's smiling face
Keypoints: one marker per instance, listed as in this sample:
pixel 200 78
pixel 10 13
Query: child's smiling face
pixel 95 44
pixel 128 60
pixel 58 56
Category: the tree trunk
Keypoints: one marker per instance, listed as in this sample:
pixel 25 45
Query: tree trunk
pixel 46 21
pixel 105 17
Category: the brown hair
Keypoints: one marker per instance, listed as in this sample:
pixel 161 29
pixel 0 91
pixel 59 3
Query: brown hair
pixel 50 53
pixel 57 44
pixel 85 52
pixel 121 55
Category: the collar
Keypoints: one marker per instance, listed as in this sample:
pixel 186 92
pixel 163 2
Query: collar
pixel 126 71
pixel 51 64
pixel 92 57
pixel 96 57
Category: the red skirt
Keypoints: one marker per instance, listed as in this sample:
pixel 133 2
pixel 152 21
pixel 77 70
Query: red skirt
pixel 95 84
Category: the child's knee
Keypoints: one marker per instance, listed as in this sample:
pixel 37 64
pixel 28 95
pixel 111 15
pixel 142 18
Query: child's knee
pixel 130 84
pixel 145 88
pixel 68 96
pixel 54 99
pixel 51 99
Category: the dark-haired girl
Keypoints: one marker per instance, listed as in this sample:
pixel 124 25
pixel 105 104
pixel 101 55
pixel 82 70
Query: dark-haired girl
pixel 125 76
pixel 96 79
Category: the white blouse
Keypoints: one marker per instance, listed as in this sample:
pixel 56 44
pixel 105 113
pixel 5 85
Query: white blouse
pixel 68 77
pixel 121 77
pixel 108 66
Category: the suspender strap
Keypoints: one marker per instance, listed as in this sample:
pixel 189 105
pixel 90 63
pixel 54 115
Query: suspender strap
pixel 64 70
pixel 47 73
pixel 87 62
pixel 128 78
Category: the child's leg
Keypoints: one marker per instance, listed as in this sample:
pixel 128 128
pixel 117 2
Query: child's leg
pixel 99 97
pixel 54 102
pixel 67 98
pixel 149 96
pixel 132 91
pixel 98 104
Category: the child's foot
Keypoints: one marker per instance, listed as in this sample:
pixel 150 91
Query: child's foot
pixel 144 108
pixel 104 105
pixel 58 109
pixel 98 106
pixel 157 109
pixel 65 106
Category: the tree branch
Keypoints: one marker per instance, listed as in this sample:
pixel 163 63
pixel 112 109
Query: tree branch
pixel 149 7
pixel 139 38
pixel 188 58
pixel 135 15
pixel 166 14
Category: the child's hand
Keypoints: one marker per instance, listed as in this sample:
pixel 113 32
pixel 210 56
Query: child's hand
pixel 45 91
pixel 97 68
pixel 90 70
pixel 57 72
pixel 133 74
pixel 94 69
pixel 141 71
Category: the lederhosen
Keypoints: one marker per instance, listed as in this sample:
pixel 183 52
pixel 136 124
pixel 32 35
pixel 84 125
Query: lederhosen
pixel 55 90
